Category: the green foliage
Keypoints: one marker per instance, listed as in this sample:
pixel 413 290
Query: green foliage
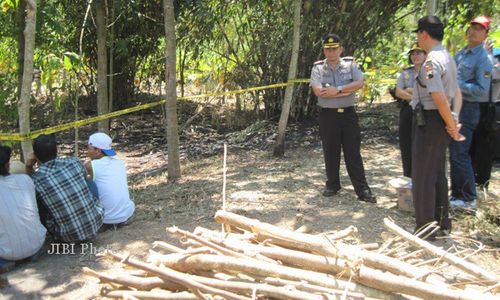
pixel 8 80
pixel 223 44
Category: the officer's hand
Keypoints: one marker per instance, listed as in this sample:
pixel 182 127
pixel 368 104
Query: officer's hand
pixel 329 92
pixel 455 133
pixel 409 91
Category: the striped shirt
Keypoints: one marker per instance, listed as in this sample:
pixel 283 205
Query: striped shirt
pixel 73 213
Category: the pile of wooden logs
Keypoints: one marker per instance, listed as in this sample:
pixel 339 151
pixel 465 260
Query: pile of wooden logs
pixel 255 260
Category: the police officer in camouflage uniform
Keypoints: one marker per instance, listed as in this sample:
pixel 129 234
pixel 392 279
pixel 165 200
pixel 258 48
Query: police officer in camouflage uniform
pixel 404 91
pixel 433 124
pixel 335 80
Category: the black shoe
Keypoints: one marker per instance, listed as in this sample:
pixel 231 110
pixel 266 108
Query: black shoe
pixel 366 196
pixel 330 192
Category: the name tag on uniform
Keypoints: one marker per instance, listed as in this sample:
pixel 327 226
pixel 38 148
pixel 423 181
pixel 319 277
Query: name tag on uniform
pixel 340 110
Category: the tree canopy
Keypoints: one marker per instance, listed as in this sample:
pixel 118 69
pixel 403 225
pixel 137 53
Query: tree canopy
pixel 222 45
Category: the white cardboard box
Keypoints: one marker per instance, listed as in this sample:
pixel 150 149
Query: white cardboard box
pixel 403 189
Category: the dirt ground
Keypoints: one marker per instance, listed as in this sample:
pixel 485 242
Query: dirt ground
pixel 258 186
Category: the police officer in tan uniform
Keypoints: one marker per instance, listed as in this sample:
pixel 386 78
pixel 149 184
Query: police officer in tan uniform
pixel 404 91
pixel 335 80
pixel 433 125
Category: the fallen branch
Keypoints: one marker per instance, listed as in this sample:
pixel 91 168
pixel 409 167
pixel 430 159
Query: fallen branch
pixel 446 256
pixel 176 277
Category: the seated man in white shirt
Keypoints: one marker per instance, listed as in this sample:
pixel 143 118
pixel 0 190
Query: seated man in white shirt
pixel 110 176
pixel 21 233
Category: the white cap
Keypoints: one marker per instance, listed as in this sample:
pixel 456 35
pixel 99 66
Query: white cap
pixel 103 142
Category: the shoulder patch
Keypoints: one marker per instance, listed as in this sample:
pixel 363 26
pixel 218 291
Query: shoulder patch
pixel 428 70
pixel 408 68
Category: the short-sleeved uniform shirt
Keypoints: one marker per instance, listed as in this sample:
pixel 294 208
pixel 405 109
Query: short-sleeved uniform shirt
pixel 345 72
pixel 75 214
pixel 474 73
pixel 437 74
pixel 407 78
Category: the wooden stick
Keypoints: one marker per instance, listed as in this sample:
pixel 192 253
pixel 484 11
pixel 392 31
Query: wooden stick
pixel 175 276
pixel 224 169
pixel 369 246
pixel 341 234
pixel 139 283
pixel 235 286
pixel 446 256
pixel 311 288
pixel 152 295
pixel 167 247
pixel 217 248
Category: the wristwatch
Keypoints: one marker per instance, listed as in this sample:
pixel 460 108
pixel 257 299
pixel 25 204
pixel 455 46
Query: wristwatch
pixel 339 88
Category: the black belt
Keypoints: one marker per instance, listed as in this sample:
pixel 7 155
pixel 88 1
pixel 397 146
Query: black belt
pixel 339 109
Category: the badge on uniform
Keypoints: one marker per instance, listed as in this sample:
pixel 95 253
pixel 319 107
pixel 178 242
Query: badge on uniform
pixel 428 70
pixel 487 74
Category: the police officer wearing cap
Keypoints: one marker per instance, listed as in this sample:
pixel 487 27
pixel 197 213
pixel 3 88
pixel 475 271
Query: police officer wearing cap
pixel 474 76
pixel 335 80
pixel 404 91
pixel 433 125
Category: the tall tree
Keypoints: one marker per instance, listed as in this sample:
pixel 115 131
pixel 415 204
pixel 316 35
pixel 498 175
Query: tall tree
pixel 174 166
pixel 25 95
pixel 431 7
pixel 279 148
pixel 102 65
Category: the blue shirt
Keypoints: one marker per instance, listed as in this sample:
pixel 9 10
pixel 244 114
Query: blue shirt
pixel 474 73
pixel 75 214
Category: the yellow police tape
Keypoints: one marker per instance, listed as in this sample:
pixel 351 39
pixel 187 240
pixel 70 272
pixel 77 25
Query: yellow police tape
pixel 79 123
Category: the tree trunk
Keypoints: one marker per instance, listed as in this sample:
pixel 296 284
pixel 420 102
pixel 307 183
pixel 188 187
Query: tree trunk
pixel 25 95
pixel 102 66
pixel 174 167
pixel 431 7
pixel 279 148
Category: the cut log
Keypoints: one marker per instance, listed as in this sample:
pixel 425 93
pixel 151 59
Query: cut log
pixel 184 263
pixel 322 245
pixel 362 274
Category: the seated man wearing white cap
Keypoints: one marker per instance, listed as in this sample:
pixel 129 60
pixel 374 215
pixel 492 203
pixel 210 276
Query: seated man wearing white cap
pixel 110 176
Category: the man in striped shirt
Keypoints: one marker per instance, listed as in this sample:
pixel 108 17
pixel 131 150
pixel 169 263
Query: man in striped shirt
pixel 68 209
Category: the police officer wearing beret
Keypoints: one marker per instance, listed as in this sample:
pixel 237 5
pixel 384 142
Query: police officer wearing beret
pixel 404 91
pixel 433 125
pixel 474 77
pixel 335 80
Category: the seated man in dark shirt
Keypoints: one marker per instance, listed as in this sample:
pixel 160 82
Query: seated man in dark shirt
pixel 68 209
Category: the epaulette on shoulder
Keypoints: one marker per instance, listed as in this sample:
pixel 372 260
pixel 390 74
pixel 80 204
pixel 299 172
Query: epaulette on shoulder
pixel 408 68
pixel 319 62
pixel 348 58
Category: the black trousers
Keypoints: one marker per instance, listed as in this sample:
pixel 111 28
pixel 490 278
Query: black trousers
pixel 482 150
pixel 430 187
pixel 339 129
pixel 405 136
